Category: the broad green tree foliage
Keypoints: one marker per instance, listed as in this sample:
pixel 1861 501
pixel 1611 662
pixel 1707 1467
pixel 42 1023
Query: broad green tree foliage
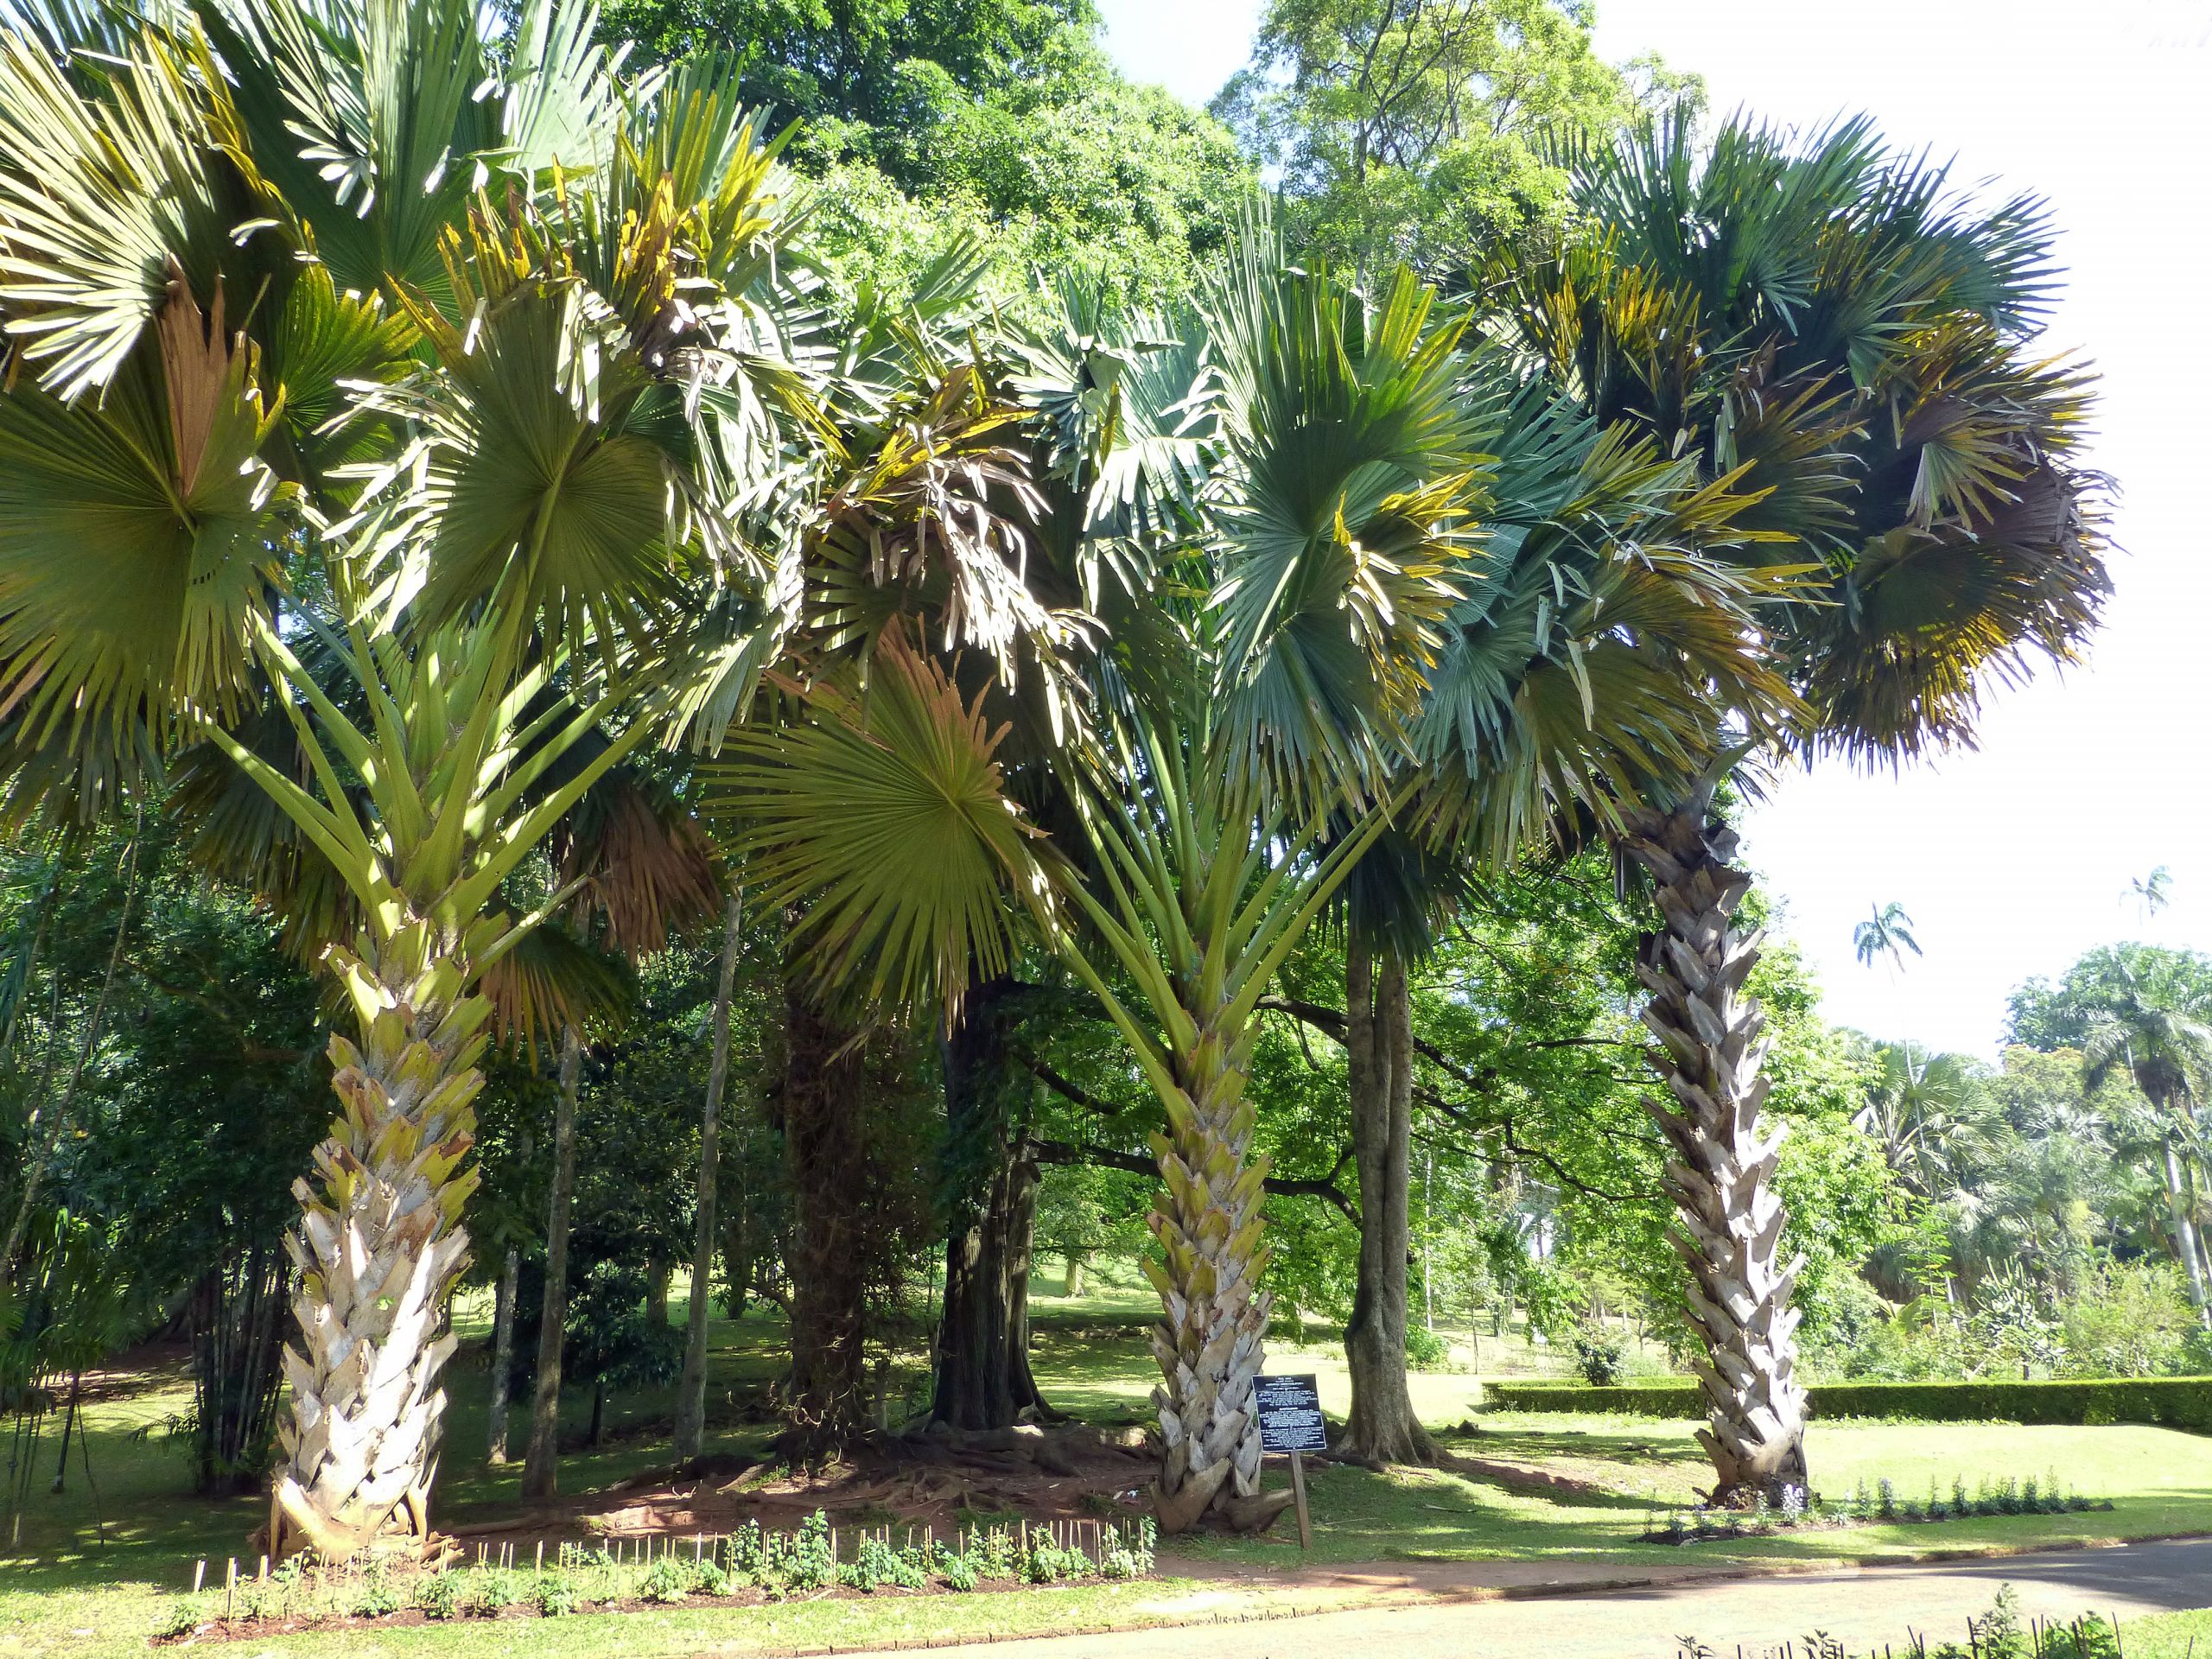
pixel 1426 130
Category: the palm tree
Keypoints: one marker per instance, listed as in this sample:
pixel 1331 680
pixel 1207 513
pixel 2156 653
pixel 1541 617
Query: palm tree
pixel 1887 932
pixel 2153 892
pixel 1828 326
pixel 1930 1112
pixel 1253 748
pixel 2158 1031
pixel 475 499
pixel 1573 673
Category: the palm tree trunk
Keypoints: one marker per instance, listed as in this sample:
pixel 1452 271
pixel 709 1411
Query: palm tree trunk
pixel 1209 1343
pixel 503 1359
pixel 379 1249
pixel 822 1134
pixel 692 1388
pixel 1383 1427
pixel 1729 1220
pixel 2185 1234
pixel 541 1472
pixel 983 1379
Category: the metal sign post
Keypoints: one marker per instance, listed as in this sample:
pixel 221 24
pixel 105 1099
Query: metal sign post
pixel 1290 1420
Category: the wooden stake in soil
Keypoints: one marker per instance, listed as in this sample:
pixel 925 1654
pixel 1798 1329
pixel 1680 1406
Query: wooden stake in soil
pixel 199 1574
pixel 229 1585
pixel 540 1555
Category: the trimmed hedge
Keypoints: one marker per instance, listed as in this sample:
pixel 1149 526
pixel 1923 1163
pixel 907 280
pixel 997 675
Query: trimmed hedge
pixel 2167 1401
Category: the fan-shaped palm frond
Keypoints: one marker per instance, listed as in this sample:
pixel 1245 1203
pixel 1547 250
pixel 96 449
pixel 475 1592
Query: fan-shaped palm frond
pixel 882 815
pixel 1352 480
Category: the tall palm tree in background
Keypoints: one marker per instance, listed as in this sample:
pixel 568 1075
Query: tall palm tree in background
pixel 2159 1031
pixel 1576 672
pixel 1831 328
pixel 361 336
pixel 1929 1113
pixel 1887 932
pixel 2154 893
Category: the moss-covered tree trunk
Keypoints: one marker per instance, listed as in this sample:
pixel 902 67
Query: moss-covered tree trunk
pixel 824 1141
pixel 541 1471
pixel 692 1388
pixel 1379 1051
pixel 503 1360
pixel 983 1379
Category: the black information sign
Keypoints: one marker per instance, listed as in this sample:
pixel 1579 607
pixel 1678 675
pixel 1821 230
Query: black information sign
pixel 1290 1414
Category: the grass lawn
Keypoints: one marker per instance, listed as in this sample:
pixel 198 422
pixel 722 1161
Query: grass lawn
pixel 2160 1480
pixel 63 1593
pixel 2174 1636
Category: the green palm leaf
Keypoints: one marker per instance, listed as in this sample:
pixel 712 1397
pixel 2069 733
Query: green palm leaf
pixel 884 816
pixel 138 537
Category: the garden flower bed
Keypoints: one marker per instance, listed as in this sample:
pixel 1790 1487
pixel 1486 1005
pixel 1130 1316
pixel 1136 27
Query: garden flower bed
pixel 742 1569
pixel 1870 1505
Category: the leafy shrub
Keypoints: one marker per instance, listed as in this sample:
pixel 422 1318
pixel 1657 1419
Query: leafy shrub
pixel 438 1595
pixel 954 1569
pixel 2130 1320
pixel 667 1580
pixel 554 1594
pixel 1425 1350
pixel 181 1617
pixel 490 1589
pixel 1598 1357
pixel 377 1595
pixel 2165 1402
pixel 812 1564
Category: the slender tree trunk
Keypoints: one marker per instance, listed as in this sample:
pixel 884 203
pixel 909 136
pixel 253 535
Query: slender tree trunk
pixel 541 1471
pixel 503 1359
pixel 379 1249
pixel 659 1276
pixel 1729 1219
pixel 1071 1285
pixel 737 1261
pixel 26 966
pixel 1210 1341
pixel 822 1134
pixel 692 1388
pixel 44 1138
pixel 2185 1233
pixel 983 1379
pixel 1379 1047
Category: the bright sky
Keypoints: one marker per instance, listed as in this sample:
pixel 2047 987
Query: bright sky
pixel 2013 860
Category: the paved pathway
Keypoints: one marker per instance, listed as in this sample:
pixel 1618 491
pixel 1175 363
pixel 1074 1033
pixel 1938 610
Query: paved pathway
pixel 1862 1607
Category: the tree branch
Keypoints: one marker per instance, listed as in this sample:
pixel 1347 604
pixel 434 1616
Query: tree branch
pixel 1281 1187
